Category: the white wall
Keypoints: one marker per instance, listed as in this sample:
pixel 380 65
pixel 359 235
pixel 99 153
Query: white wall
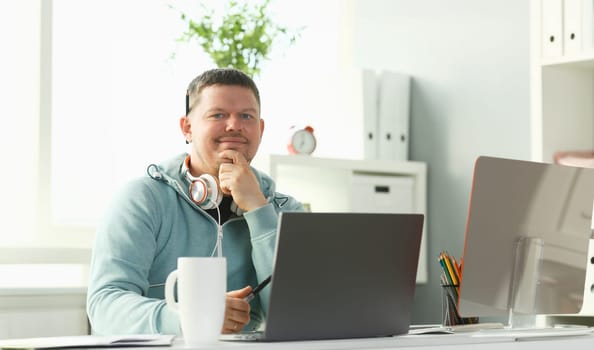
pixel 469 61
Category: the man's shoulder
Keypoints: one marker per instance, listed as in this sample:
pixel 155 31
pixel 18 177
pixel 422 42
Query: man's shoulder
pixel 145 186
pixel 158 176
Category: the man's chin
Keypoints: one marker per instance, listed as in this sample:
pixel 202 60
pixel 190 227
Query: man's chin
pixel 247 157
pixel 242 150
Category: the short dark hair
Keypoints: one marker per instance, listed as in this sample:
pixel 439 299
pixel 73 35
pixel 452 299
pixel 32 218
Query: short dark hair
pixel 219 76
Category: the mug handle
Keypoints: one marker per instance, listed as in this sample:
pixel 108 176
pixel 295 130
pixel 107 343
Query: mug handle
pixel 169 291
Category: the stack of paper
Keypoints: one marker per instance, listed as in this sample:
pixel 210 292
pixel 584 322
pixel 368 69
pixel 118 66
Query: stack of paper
pixel 87 341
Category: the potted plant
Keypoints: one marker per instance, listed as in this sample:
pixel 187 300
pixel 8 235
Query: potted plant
pixel 241 38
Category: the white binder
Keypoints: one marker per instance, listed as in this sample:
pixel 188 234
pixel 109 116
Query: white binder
pixel 370 113
pixel 393 114
pixel 552 28
pixel 572 27
pixel 587 26
pixel 349 109
pixel 373 109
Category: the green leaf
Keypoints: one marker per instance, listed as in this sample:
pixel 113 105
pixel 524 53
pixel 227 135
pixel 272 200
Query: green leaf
pixel 243 39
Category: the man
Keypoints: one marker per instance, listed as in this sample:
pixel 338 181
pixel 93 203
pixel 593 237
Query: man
pixel 178 211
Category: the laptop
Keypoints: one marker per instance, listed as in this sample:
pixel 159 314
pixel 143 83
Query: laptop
pixel 342 275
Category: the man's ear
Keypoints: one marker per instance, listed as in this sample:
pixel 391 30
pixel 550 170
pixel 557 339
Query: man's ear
pixel 185 126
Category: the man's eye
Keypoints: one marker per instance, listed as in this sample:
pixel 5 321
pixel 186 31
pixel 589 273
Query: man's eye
pixel 246 116
pixel 217 116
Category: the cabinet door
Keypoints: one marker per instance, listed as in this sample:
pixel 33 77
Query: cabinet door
pixel 382 194
pixel 552 28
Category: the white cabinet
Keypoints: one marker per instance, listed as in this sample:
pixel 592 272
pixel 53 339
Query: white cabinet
pixel 42 312
pixel 42 299
pixel 562 77
pixel 343 185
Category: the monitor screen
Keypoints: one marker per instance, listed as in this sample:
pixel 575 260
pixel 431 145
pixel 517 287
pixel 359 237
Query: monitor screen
pixel 513 203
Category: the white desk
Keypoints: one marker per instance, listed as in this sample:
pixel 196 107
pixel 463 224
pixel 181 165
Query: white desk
pixel 416 342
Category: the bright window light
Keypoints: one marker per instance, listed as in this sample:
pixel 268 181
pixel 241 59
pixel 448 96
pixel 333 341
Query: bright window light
pixel 19 114
pixel 117 95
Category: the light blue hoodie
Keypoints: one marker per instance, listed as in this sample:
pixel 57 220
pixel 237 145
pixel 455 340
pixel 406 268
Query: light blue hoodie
pixel 150 223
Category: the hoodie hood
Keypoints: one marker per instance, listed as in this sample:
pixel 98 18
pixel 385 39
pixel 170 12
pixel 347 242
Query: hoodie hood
pixel 170 173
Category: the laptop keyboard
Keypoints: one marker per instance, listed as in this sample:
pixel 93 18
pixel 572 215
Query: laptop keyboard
pixel 245 336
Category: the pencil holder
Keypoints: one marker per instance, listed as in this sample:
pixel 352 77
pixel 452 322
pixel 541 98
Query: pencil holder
pixel 449 307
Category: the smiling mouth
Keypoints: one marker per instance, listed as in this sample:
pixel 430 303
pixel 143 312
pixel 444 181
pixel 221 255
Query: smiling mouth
pixel 232 139
pixel 232 142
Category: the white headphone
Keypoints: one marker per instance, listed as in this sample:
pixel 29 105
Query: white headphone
pixel 204 190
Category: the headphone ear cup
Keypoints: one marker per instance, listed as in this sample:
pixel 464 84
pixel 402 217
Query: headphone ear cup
pixel 198 191
pixel 205 192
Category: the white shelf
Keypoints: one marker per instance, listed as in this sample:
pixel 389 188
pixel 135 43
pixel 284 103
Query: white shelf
pixel 562 84
pixel 327 185
pixel 562 90
pixel 379 166
pixel 584 61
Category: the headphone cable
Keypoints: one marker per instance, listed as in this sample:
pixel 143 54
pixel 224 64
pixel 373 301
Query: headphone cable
pixel 219 244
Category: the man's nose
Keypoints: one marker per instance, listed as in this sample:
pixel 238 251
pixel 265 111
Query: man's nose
pixel 234 122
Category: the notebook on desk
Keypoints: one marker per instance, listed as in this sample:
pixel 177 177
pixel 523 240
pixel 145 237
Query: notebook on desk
pixel 342 275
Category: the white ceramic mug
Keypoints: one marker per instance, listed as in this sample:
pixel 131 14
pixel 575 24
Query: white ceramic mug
pixel 201 292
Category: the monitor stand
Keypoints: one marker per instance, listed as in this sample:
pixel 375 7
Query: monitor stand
pixel 586 315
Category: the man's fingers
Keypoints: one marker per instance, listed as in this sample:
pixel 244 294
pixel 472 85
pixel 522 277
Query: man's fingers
pixel 233 155
pixel 237 310
pixel 235 320
pixel 229 173
pixel 240 293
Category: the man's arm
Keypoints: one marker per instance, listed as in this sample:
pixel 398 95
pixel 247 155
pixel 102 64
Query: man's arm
pixel 262 224
pixel 238 179
pixel 123 253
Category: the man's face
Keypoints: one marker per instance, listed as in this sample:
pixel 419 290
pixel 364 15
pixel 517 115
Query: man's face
pixel 225 117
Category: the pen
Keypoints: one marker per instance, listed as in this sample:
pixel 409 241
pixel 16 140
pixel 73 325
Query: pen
pixel 257 290
pixel 450 268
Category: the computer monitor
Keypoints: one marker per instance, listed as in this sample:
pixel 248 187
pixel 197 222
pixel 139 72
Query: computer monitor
pixel 511 200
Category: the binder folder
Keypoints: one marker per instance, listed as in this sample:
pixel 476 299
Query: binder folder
pixel 393 114
pixel 375 107
pixel 370 112
pixel 552 28
pixel 587 26
pixel 572 31
pixel 347 107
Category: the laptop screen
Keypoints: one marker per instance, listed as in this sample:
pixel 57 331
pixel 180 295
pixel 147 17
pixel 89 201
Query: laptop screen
pixel 343 275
